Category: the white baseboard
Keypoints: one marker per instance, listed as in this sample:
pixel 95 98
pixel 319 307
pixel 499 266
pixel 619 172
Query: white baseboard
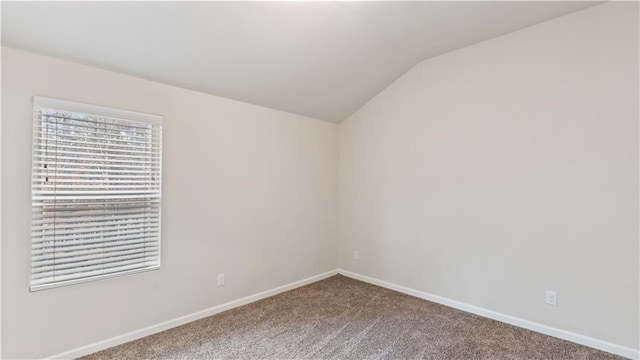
pixel 530 325
pixel 150 330
pixel 544 329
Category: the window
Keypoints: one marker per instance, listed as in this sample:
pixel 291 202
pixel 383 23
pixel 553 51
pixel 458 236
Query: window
pixel 95 191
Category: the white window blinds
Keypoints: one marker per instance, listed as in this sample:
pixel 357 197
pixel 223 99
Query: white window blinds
pixel 95 192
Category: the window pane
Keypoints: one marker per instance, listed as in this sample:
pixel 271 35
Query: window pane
pixel 95 193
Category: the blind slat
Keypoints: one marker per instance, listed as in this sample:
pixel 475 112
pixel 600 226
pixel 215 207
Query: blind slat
pixel 127 260
pixel 42 284
pixel 62 146
pixel 43 254
pixel 62 245
pixel 89 257
pixel 43 142
pixel 70 221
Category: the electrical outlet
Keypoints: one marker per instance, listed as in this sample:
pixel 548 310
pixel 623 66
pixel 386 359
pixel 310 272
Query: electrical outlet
pixel 356 255
pixel 551 298
pixel 220 279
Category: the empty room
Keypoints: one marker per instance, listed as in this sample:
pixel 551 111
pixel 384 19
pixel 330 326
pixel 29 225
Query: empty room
pixel 320 180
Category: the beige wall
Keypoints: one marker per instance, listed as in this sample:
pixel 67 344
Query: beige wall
pixel 248 191
pixel 492 173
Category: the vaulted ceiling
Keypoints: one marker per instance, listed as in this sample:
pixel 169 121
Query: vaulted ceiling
pixel 319 59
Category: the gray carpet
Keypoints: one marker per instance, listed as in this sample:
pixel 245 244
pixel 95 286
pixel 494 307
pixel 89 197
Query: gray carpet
pixel 342 318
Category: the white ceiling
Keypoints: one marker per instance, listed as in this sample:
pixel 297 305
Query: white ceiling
pixel 319 59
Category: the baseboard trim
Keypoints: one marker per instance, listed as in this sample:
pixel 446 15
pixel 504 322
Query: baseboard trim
pixel 526 324
pixel 512 320
pixel 153 329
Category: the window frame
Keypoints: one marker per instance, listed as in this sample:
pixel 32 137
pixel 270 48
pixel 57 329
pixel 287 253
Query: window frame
pixel 69 107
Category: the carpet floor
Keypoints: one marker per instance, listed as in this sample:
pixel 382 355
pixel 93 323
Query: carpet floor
pixel 342 318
